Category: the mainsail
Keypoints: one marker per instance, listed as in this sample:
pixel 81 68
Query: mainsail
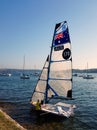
pixel 56 76
pixel 60 65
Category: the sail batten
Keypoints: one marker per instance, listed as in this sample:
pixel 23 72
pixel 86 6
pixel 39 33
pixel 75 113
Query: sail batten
pixel 61 60
pixel 59 79
pixel 43 79
pixel 39 92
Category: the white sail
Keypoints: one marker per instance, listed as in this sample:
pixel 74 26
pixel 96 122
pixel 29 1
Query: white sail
pixel 60 65
pixel 39 92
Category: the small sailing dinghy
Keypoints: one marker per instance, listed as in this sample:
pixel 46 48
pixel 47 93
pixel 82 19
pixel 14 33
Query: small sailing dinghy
pixel 55 81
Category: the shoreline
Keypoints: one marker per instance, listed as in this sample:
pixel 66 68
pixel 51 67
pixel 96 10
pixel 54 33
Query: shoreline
pixel 9 123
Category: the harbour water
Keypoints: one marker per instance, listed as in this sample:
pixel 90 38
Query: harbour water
pixel 15 96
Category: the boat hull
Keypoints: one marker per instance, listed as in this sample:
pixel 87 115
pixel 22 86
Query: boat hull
pixel 24 77
pixel 59 109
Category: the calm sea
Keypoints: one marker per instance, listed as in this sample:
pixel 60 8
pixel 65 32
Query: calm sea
pixel 15 96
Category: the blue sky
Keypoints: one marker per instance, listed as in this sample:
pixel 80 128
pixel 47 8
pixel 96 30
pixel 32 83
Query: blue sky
pixel 27 26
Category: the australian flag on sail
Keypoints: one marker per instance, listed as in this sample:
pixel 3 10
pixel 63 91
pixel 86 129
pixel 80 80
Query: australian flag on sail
pixel 61 35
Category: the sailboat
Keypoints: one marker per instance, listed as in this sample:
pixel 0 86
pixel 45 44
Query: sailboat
pixel 23 75
pixel 55 82
pixel 87 76
pixel 36 73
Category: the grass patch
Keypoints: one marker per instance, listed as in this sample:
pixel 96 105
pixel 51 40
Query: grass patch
pixel 6 124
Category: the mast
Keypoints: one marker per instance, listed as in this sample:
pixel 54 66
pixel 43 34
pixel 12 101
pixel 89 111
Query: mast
pixel 46 92
pixel 23 64
pixel 87 69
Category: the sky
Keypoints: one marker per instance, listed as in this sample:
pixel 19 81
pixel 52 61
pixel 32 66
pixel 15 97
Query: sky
pixel 27 27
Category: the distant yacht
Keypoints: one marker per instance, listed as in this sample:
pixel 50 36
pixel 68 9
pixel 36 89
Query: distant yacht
pixel 6 74
pixel 81 75
pixel 23 75
pixel 36 73
pixel 87 76
pixel 9 74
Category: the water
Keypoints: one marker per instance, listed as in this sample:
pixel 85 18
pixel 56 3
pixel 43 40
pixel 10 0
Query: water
pixel 15 96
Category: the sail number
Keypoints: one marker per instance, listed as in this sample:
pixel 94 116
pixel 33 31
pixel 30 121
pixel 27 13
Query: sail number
pixel 66 53
pixel 58 48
